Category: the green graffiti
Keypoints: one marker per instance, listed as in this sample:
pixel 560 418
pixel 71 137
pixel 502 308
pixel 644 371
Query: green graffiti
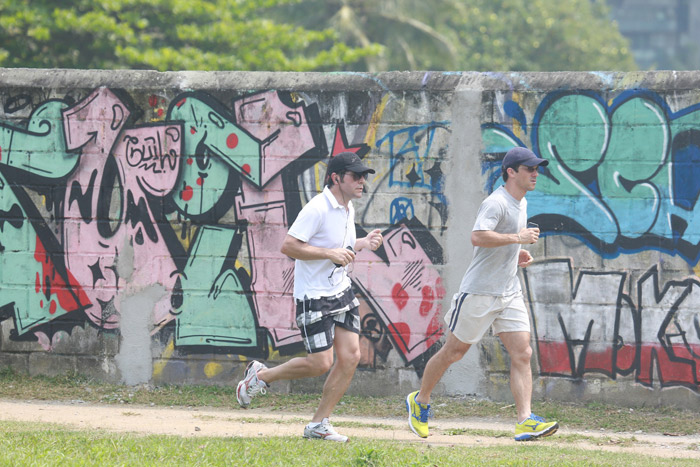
pixel 214 314
pixel 213 145
pixel 497 141
pixel 30 284
pixel 639 144
pixel 41 148
pixel 576 129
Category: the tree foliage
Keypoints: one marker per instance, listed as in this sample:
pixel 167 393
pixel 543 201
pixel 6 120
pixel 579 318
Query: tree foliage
pixel 478 35
pixel 165 35
pixel 302 35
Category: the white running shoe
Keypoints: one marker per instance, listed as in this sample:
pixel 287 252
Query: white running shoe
pixel 325 431
pixel 250 385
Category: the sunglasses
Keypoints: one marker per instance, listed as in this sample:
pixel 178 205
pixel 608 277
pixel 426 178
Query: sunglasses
pixel 529 169
pixel 356 176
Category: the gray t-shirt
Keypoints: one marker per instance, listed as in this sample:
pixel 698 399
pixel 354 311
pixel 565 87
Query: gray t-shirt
pixel 493 271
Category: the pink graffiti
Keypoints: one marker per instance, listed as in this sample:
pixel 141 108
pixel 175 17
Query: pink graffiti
pixel 412 311
pixel 146 160
pixel 271 274
pixel 286 136
pixel 283 130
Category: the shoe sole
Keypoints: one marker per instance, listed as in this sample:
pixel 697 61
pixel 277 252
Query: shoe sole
pixel 531 437
pixel 241 383
pixel 238 397
pixel 408 409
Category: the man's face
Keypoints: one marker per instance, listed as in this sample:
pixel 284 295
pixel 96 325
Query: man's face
pixel 526 177
pixel 352 184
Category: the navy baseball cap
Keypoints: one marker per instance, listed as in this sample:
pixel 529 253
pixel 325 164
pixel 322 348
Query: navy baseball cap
pixel 522 156
pixel 347 162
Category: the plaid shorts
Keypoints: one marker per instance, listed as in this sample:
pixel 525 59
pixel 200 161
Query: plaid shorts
pixel 318 317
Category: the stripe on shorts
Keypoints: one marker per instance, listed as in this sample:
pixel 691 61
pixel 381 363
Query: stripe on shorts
pixel 458 309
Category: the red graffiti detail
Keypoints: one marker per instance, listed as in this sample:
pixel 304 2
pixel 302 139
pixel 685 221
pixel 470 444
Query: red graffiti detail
pixel 41 304
pixel 152 100
pixel 654 356
pixel 0 153
pixel 402 335
pixel 434 331
pixel 66 293
pixel 246 169
pixel 199 181
pixel 52 307
pixel 599 361
pixel 189 161
pixel 554 358
pixel 181 103
pixel 439 289
pixel 625 357
pixel 193 130
pixel 160 112
pixel 187 193
pixel 399 295
pixel 427 303
pixel 232 140
pixel 37 283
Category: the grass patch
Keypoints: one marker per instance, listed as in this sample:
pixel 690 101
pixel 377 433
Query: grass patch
pixel 477 432
pixel 33 444
pixel 373 426
pixel 592 416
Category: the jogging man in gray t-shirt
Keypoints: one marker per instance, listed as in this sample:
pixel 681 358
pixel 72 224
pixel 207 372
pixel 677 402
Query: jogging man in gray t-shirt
pixel 490 297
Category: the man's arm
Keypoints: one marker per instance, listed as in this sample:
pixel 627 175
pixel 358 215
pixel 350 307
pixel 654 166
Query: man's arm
pixel 491 239
pixel 295 248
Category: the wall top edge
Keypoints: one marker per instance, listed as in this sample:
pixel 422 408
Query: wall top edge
pixel 350 81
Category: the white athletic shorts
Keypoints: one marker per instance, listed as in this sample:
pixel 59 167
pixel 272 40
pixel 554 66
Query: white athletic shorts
pixel 471 315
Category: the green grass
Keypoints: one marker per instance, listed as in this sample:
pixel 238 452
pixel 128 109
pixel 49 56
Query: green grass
pixel 34 444
pixel 591 416
pixel 44 444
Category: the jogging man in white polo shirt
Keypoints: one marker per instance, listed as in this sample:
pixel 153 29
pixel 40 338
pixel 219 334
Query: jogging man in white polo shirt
pixel 490 297
pixel 322 241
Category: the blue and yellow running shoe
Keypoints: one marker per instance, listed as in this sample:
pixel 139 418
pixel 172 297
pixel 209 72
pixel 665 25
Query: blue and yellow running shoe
pixel 534 427
pixel 418 415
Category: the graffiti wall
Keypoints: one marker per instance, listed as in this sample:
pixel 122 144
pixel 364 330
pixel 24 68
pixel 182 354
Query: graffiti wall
pixel 183 199
pixel 141 222
pixel 614 296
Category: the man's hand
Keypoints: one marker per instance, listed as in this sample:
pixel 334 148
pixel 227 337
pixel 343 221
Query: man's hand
pixel 373 240
pixel 524 258
pixel 528 235
pixel 341 256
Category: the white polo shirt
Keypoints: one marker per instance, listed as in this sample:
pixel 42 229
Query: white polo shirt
pixel 324 223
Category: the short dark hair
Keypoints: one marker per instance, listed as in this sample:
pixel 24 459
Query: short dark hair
pixel 505 171
pixel 329 179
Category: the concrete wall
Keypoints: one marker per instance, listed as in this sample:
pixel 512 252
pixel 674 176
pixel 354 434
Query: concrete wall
pixel 141 216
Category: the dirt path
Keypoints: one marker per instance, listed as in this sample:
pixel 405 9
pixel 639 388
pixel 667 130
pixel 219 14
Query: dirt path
pixel 261 423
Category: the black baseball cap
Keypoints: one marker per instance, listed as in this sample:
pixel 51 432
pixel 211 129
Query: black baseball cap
pixel 522 156
pixel 347 162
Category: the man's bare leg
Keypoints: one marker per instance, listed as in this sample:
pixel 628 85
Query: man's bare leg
pixel 347 353
pixel 518 346
pixel 451 352
pixel 311 365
